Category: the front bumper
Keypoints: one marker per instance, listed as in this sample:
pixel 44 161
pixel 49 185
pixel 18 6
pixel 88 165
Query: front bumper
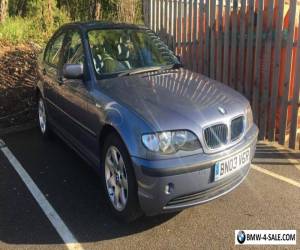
pixel 191 178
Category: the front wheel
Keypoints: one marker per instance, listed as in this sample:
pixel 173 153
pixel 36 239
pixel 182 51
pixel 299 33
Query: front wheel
pixel 119 180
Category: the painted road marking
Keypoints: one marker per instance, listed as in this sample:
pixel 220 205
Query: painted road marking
pixel 52 215
pixel 276 176
pixel 297 165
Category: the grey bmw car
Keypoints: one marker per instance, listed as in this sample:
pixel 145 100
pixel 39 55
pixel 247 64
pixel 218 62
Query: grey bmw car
pixel 161 137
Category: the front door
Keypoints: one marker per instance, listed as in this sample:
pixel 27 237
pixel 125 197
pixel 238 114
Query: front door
pixel 74 94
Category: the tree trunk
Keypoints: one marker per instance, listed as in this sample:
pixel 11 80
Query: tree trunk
pixel 127 10
pixel 98 11
pixel 3 9
pixel 49 8
pixel 47 14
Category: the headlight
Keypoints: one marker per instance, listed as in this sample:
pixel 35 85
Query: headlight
pixel 169 142
pixel 249 117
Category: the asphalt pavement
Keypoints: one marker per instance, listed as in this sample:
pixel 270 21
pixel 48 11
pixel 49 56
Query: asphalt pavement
pixel 74 191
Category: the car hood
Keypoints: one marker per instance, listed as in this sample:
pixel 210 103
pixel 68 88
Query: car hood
pixel 175 99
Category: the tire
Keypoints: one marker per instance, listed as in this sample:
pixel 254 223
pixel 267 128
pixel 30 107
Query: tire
pixel 42 118
pixel 123 203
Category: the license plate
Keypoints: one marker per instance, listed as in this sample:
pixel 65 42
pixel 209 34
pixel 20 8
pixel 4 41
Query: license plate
pixel 231 164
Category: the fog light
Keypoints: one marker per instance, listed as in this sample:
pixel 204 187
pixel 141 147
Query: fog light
pixel 169 188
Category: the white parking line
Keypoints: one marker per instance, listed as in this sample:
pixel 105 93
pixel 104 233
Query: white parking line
pixel 297 165
pixel 276 176
pixel 54 218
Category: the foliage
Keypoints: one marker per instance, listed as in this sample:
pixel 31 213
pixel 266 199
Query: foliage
pixel 19 30
pixel 84 10
pixel 36 20
pixel 16 30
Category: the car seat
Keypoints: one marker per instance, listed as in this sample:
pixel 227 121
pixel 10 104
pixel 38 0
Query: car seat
pixel 123 52
pixel 110 64
pixel 98 58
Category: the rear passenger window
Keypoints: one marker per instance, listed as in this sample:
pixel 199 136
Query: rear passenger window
pixel 53 52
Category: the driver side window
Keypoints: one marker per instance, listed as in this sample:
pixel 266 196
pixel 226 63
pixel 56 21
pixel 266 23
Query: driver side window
pixel 53 51
pixel 73 53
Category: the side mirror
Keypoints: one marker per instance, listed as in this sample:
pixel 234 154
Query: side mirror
pixel 73 71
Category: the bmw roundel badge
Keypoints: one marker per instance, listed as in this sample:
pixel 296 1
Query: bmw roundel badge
pixel 241 237
pixel 222 110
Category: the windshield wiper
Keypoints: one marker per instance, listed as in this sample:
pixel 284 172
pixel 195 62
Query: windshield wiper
pixel 150 69
pixel 139 71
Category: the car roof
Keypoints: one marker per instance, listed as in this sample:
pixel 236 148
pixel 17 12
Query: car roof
pixel 102 25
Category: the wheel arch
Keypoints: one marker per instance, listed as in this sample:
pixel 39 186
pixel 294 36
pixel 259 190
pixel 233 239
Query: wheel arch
pixel 109 128
pixel 129 130
pixel 105 131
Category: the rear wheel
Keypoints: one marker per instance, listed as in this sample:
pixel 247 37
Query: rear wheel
pixel 119 180
pixel 42 117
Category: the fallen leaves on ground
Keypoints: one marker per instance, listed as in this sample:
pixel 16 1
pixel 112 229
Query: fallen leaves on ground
pixel 18 78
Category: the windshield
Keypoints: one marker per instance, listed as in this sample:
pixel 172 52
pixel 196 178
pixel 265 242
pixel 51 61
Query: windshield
pixel 126 50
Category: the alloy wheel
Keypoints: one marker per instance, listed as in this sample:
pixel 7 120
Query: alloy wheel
pixel 42 116
pixel 116 178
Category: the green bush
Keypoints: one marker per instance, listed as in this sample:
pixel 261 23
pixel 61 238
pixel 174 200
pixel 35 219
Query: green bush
pixel 31 22
pixel 16 30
